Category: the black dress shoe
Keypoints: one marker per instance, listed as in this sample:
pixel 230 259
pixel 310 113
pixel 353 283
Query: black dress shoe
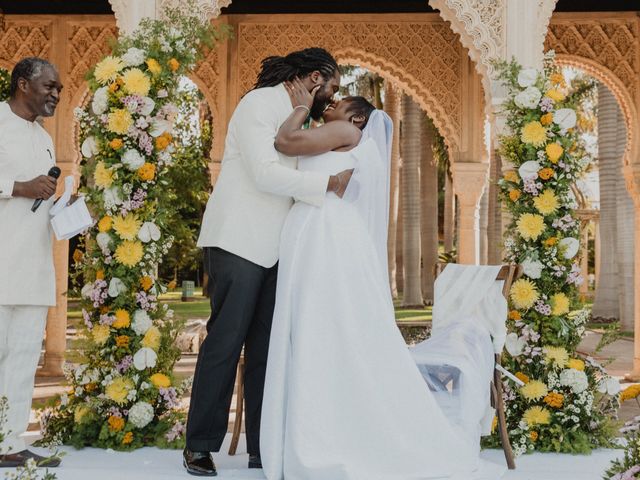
pixel 19 459
pixel 199 463
pixel 255 461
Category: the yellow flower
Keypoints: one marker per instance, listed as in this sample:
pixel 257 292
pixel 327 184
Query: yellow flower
pixel 534 133
pixel 153 66
pixel 557 78
pixel 80 412
pixel 147 172
pixel 152 338
pixel 77 256
pixel 554 95
pixel 537 416
pixel 123 320
pixel 127 227
pixel 136 82
pixel 100 275
pixel 102 176
pixel 523 293
pixel 146 283
pixel 118 389
pixel 163 141
pixel 546 173
pixel 514 195
pixel 534 390
pixel 546 119
pixel 554 400
pixel 107 70
pixel 173 64
pixel 119 121
pixel 546 203
pixel 559 304
pixel 100 334
pixel 115 423
pixel 494 424
pixel 630 393
pixel 129 253
pixel 551 241
pixel 128 438
pixel 116 143
pixel 533 435
pixel 530 226
pixel 576 364
pixel 515 315
pixel 122 341
pixel 160 380
pixel 523 377
pixel 511 176
pixel 556 355
pixel 554 152
pixel 105 223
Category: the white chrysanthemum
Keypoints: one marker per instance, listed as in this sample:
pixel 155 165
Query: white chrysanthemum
pixel 86 290
pixel 133 159
pixel 89 147
pixel 100 101
pixel 529 170
pixel 141 322
pixel 528 98
pixel 116 287
pixel 527 77
pixel 145 358
pixel 532 268
pixel 134 57
pixel 576 380
pixel 104 240
pixel 141 414
pixel 149 231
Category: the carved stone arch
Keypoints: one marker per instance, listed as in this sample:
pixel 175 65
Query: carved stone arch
pixel 408 84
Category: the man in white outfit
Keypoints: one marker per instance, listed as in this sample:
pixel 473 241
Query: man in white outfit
pixel 241 237
pixel 27 279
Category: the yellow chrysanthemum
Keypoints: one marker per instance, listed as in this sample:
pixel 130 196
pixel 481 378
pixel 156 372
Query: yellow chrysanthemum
pixel 173 64
pixel 511 176
pixel 515 315
pixel 153 66
pixel 559 304
pixel 129 253
pixel 136 82
pixel 100 334
pixel 80 413
pixel 146 283
pixel 537 416
pixel 160 380
pixel 119 389
pixel 107 70
pixel 557 78
pixel 630 393
pixel 116 143
pixel 514 195
pixel 530 226
pixel 128 438
pixel 546 203
pixel 554 95
pixel 551 241
pixel 123 320
pixel 554 152
pixel 102 175
pixel 523 293
pixel 122 341
pixel 534 134
pixel 147 172
pixel 557 356
pixel 546 119
pixel 546 173
pixel 163 141
pixel 554 400
pixel 105 223
pixel 119 121
pixel 100 275
pixel 127 227
pixel 533 435
pixel 576 364
pixel 152 338
pixel 534 390
pixel 115 423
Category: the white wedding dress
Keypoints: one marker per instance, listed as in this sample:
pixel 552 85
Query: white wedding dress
pixel 344 399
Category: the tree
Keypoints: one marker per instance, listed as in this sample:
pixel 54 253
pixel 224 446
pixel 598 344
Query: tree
pixel 429 207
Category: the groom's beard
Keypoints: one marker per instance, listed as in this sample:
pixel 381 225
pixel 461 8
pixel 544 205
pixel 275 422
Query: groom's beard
pixel 318 107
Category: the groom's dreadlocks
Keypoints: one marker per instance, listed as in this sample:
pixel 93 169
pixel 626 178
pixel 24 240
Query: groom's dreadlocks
pixel 276 69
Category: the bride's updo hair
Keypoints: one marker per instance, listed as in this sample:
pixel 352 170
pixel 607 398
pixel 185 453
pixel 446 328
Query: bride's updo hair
pixel 359 106
pixel 276 69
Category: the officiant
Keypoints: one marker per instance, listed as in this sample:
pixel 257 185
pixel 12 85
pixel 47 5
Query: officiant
pixel 27 277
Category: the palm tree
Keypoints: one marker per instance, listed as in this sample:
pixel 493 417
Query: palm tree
pixel 449 226
pixel 429 208
pixel 411 201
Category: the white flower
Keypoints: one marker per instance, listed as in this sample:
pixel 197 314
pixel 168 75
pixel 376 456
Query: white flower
pixel 132 159
pixel 609 385
pixel 100 101
pixel 162 93
pixel 104 240
pixel 141 414
pixel 147 106
pixel 86 290
pixel 528 98
pixel 89 147
pixel 571 246
pixel 116 287
pixel 532 268
pixel 565 118
pixel 141 322
pixel 527 77
pixel 145 358
pixel 134 57
pixel 514 344
pixel 158 127
pixel 574 379
pixel 529 170
pixel 111 196
pixel 149 231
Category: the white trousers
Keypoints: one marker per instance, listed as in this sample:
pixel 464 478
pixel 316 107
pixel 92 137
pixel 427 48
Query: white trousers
pixel 21 334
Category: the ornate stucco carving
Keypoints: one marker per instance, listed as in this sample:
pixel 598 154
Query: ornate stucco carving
pixel 205 9
pixel 25 38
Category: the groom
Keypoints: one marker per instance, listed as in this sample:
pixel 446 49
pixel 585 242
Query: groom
pixel 240 235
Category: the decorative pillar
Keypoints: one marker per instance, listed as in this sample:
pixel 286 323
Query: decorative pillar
pixel 632 178
pixel 596 239
pixel 392 107
pixel 584 259
pixel 469 180
pixel 484 225
pixel 449 213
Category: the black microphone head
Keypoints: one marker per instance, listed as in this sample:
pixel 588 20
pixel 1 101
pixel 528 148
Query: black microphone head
pixel 54 172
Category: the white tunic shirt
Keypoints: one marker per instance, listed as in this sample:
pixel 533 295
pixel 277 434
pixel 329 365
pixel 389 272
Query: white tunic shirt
pixel 27 275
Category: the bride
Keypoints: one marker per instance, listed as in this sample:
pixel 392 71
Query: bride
pixel 344 400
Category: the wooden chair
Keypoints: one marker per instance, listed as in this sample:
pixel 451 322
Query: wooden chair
pixel 508 273
pixel 239 407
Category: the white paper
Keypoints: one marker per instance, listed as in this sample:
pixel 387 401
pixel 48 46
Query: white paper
pixel 69 220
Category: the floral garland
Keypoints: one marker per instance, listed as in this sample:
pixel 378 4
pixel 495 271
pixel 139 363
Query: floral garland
pixel 566 402
pixel 123 394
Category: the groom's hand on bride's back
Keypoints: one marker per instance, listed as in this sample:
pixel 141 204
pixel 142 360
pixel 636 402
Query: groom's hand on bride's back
pixel 338 183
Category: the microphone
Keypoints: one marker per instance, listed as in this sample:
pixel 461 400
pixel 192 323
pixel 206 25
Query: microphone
pixel 53 172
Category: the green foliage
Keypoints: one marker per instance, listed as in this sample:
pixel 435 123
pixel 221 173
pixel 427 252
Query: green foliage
pixel 5 84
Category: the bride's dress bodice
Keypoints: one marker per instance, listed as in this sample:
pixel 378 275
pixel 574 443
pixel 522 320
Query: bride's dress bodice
pixel 330 162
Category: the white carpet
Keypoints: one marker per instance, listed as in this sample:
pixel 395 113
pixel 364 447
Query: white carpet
pixel 153 464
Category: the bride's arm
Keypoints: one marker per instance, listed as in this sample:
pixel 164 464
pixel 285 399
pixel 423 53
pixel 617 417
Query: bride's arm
pixel 292 140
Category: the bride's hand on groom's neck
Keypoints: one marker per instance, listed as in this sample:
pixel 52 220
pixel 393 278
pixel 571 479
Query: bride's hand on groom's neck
pixel 338 183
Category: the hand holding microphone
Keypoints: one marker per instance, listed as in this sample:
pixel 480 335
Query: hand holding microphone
pixel 40 188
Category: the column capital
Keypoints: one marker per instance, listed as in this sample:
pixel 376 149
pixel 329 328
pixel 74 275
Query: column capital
pixel 469 180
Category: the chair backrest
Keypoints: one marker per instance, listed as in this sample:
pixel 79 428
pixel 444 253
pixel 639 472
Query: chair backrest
pixel 509 273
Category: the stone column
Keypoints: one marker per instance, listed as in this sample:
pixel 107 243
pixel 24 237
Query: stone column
pixel 596 239
pixel 484 226
pixel 449 226
pixel 469 180
pixel 392 107
pixel 428 210
pixel 632 178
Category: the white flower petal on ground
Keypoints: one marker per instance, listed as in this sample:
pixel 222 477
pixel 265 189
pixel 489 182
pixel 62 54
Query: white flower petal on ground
pixel 145 358
pixel 527 77
pixel 571 246
pixel 565 118
pixel 133 159
pixel 89 147
pixel 529 170
pixel 149 231
pixel 116 287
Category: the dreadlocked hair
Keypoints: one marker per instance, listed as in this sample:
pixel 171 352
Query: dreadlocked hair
pixel 360 106
pixel 276 69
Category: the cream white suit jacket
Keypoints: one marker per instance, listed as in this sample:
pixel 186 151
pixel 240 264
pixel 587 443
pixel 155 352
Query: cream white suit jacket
pixel 257 184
